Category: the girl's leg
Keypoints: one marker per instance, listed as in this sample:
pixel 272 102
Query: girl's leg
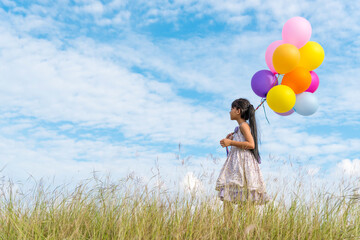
pixel 243 209
pixel 228 212
pixel 248 210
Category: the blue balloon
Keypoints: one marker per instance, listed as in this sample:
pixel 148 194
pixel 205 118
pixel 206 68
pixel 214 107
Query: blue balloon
pixel 306 104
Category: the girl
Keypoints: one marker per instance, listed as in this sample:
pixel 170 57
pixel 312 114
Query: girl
pixel 240 179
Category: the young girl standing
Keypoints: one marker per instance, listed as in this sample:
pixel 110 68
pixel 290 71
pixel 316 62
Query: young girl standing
pixel 240 179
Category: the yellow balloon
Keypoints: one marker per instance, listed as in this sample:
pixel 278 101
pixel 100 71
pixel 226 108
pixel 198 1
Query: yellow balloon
pixel 281 98
pixel 311 55
pixel 285 58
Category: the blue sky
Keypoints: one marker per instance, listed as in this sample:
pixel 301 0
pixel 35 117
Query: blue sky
pixel 115 86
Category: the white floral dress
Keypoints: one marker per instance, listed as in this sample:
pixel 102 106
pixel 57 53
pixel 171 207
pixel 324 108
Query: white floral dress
pixel 240 178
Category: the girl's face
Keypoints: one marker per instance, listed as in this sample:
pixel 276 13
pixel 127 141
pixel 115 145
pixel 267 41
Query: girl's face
pixel 234 113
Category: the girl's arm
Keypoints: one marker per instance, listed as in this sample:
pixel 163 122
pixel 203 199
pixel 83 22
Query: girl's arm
pixel 249 140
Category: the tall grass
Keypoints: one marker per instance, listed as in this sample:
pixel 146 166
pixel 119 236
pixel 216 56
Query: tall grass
pixel 101 209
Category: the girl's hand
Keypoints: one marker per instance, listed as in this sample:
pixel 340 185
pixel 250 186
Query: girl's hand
pixel 230 136
pixel 225 142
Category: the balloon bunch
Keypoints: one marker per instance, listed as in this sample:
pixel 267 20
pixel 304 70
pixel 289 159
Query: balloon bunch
pixel 290 83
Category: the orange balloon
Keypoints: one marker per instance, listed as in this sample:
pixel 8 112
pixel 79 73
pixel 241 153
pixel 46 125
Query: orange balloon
pixel 298 80
pixel 286 58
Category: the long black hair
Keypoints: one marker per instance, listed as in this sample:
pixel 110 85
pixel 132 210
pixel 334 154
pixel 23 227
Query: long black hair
pixel 248 113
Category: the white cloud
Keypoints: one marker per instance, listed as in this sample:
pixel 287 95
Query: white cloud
pixel 57 85
pixel 122 17
pixel 94 7
pixel 9 3
pixel 46 153
pixel 115 4
pixel 192 184
pixel 350 167
pixel 297 142
pixel 313 170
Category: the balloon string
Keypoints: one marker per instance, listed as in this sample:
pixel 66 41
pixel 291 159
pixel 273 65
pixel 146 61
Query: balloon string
pixel 265 115
pixel 262 101
pixel 277 79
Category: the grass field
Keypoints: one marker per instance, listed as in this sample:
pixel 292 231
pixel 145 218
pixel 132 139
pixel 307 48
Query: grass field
pixel 101 209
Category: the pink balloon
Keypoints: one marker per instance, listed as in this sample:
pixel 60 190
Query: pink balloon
pixel 314 82
pixel 297 31
pixel 286 113
pixel 269 54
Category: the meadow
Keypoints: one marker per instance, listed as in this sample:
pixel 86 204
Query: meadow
pixel 99 208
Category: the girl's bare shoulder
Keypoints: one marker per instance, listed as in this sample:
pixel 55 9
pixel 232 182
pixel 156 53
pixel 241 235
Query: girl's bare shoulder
pixel 244 127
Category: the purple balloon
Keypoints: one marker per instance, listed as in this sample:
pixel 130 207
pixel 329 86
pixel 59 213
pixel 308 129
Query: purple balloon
pixel 286 113
pixel 262 82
